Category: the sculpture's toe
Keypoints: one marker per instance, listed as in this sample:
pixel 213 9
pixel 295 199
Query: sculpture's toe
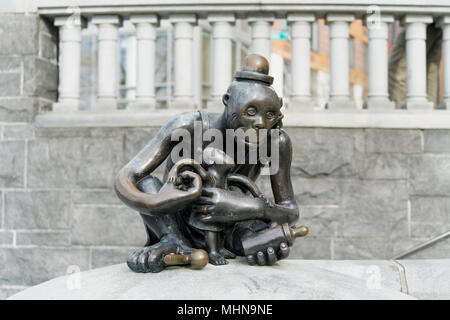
pixel 155 261
pixel 228 254
pixel 217 259
pixel 133 261
pixel 147 259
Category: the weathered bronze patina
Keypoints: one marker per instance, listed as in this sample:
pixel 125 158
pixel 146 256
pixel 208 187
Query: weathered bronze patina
pixel 213 204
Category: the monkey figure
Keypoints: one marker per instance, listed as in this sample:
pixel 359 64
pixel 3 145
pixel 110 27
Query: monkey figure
pixel 250 103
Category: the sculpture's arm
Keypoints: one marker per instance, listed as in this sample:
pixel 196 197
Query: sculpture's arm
pixel 225 206
pixel 146 161
pixel 285 208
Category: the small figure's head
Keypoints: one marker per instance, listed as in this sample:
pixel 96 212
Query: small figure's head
pixel 250 101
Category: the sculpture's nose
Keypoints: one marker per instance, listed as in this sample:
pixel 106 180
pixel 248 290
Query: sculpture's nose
pixel 259 123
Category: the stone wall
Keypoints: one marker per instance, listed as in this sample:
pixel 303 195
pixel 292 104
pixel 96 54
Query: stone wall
pixel 364 193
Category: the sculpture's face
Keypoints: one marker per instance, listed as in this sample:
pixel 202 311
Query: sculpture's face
pixel 251 105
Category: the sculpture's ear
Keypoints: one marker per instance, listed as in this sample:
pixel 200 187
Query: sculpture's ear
pixel 281 102
pixel 225 99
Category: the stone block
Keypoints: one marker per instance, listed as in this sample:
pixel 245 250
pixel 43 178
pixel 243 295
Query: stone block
pixel 80 133
pixel 40 78
pixel 429 174
pixel 137 138
pixel 43 238
pixel 75 162
pixel 316 191
pixel 10 64
pixel 37 209
pixel 438 250
pixel 30 266
pixel 6 237
pixel 428 229
pixel 385 166
pixel 48 47
pixel 18 109
pixel 362 248
pixel 327 152
pixel 12 163
pixel 430 209
pixel 374 209
pixel 95 197
pixel 19 34
pixel 2 210
pixel 18 132
pixel 102 257
pixel 311 248
pixel 322 221
pixel 42 132
pixel 436 141
pixel 47 27
pixel 10 84
pixel 393 140
pixel 111 226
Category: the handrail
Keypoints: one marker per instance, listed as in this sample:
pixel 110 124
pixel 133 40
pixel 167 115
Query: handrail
pixel 203 7
pixel 422 246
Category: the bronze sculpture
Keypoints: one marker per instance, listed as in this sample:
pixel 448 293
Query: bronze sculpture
pixel 215 206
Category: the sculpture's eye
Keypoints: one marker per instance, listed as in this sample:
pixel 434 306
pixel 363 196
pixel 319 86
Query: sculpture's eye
pixel 251 111
pixel 270 115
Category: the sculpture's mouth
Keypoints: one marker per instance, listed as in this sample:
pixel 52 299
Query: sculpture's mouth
pixel 248 136
pixel 251 139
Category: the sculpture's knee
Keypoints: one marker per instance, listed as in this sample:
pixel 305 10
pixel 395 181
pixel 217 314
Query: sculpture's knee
pixel 150 185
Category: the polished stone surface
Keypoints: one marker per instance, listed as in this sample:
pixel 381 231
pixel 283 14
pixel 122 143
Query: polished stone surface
pixel 289 279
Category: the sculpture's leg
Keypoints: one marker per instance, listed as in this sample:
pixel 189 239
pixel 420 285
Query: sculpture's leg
pixel 163 236
pixel 215 244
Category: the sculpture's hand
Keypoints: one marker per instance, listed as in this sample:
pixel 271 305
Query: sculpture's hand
pixel 178 192
pixel 224 206
pixel 269 255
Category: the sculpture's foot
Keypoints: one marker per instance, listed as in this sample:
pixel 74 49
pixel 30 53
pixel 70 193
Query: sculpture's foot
pixel 150 259
pixel 216 258
pixel 228 254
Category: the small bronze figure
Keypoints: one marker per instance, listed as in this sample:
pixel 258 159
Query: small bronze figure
pixel 215 206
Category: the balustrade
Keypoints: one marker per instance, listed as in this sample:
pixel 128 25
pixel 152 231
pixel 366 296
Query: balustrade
pixel 224 20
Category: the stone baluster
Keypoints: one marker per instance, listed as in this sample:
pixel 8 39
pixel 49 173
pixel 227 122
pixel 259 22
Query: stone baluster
pixel 339 61
pixel 300 24
pixel 184 35
pixel 198 66
pixel 108 61
pixel 416 62
pixel 222 34
pixel 261 26
pixel 145 61
pixel 444 23
pixel 69 63
pixel 277 72
pixel 378 96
